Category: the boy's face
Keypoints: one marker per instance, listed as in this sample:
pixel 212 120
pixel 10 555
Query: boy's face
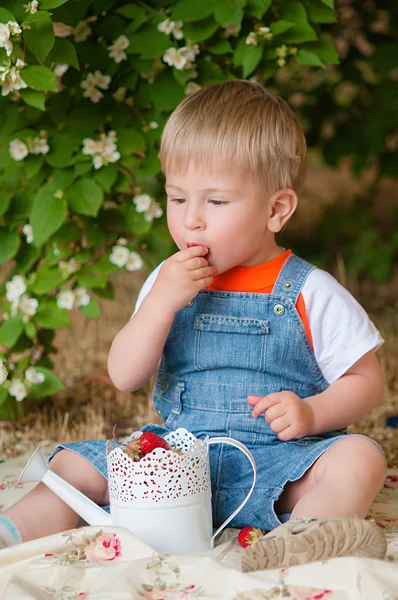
pixel 224 210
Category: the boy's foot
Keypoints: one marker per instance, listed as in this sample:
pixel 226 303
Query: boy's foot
pixel 304 540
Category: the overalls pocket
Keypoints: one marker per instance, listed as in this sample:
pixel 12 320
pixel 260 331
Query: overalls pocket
pixel 167 401
pixel 230 342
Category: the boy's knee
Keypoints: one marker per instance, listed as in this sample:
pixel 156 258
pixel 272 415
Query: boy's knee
pixel 357 455
pixel 81 474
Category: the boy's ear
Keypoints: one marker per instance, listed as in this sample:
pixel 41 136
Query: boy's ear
pixel 282 205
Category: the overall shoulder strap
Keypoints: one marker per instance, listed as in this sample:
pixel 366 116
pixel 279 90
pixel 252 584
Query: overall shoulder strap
pixel 292 277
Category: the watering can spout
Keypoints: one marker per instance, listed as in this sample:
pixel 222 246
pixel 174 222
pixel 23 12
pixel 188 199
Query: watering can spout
pixel 37 470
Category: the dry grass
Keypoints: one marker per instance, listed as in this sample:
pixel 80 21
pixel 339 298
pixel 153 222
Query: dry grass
pixel 90 406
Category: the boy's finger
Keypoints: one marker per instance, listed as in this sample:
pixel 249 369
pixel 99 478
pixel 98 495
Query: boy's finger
pixel 264 403
pixel 191 252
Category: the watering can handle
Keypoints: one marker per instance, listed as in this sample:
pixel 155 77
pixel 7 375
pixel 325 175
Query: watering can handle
pixel 242 448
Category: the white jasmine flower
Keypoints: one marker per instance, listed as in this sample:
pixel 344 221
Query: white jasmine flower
pixel 14 28
pixel 142 202
pixel 82 298
pixel 66 299
pixel 98 161
pixel 3 373
pixel 81 31
pixel 110 156
pixel 154 212
pixel 60 70
pixel 34 5
pixel 15 288
pixel 153 125
pixel 177 30
pixel 73 266
pixel 101 80
pixel 122 242
pixel 17 390
pixel 118 47
pixel 167 26
pixel 33 376
pixel 59 194
pixel 118 55
pixel 18 150
pixel 40 146
pixel 252 39
pixel 169 56
pixel 28 305
pixel 281 51
pixel 191 87
pixel 11 80
pixel 5 39
pixel 134 262
pixel 119 255
pixel 231 31
pixel 94 95
pixel 89 146
pixel 28 231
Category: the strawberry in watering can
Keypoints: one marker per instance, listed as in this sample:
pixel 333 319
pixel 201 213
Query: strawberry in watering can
pixel 162 494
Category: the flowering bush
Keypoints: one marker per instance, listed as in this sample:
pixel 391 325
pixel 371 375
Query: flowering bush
pixel 86 88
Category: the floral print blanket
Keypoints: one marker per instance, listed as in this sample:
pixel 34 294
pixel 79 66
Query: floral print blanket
pixel 93 563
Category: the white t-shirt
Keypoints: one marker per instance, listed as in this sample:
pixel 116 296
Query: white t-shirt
pixel 341 330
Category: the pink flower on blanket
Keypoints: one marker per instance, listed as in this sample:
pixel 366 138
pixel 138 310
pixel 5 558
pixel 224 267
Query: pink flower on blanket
pixel 299 593
pixel 391 481
pixel 105 547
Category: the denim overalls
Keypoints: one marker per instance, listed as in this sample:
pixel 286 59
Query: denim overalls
pixel 221 348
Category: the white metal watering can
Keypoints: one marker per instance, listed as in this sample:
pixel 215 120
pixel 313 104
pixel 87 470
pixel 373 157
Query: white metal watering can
pixel 164 498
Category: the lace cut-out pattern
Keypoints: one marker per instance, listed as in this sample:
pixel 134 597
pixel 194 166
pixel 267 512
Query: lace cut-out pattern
pixel 162 474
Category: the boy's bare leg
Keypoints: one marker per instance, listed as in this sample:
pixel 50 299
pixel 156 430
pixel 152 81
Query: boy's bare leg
pixel 343 482
pixel 42 513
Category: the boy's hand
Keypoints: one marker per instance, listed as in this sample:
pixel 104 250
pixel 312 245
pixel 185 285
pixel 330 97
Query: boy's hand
pixel 288 415
pixel 182 276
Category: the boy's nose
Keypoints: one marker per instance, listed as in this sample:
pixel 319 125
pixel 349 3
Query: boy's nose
pixel 193 219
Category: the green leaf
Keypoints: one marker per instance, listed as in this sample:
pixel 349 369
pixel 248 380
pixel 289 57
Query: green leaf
pixel 306 57
pixel 9 244
pixel 94 234
pixel 200 30
pixel 37 16
pixel 85 197
pixel 280 27
pixel 229 11
pixel 165 92
pixel 30 330
pixel 69 232
pixel 89 279
pixel 257 8
pixel 48 213
pixel 10 331
pixel 47 280
pixel 192 11
pixel 26 258
pixel 44 4
pixel 318 13
pixel 6 15
pixel 222 47
pixel 34 98
pixel 248 56
pixel 135 222
pixel 39 78
pixel 51 384
pixel 106 176
pixel 32 165
pixel 5 200
pixel 324 49
pixel 302 31
pixel 64 53
pixel 149 44
pixel 130 140
pixel 40 38
pixel 329 3
pixel 130 11
pixel 92 310
pixel 50 316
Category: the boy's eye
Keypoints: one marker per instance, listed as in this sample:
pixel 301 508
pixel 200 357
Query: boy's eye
pixel 218 202
pixel 178 200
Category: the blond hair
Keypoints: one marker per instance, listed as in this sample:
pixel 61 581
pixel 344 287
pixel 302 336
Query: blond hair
pixel 236 123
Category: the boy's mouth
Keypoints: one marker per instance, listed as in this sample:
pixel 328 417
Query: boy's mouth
pixel 192 244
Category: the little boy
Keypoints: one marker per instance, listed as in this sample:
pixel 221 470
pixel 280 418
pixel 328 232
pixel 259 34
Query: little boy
pixel 249 341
